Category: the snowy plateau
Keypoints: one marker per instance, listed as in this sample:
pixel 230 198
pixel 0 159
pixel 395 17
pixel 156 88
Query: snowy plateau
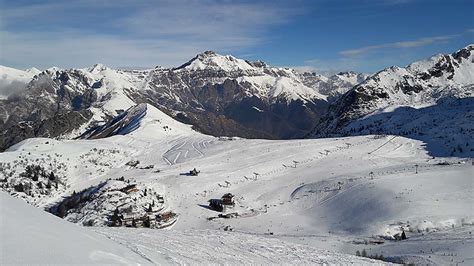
pixel 384 176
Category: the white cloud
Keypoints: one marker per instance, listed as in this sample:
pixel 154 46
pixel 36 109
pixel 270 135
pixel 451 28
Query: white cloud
pixel 360 64
pixel 145 33
pixel 403 44
pixel 329 66
pixel 71 49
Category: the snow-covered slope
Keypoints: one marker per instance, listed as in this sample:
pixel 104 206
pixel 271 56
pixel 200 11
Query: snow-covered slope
pixel 335 85
pixel 334 194
pixel 50 240
pixel 14 80
pixel 225 248
pixel 428 100
pixel 420 84
pixel 32 236
pixel 46 168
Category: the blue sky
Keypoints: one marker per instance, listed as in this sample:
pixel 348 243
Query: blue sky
pixel 321 35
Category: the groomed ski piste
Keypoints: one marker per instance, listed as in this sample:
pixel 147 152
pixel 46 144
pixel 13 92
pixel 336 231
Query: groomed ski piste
pixel 315 201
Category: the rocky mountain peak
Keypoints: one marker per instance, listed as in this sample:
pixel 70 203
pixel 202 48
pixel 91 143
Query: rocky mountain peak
pixel 207 54
pixel 258 63
pixel 347 73
pixel 33 71
pixel 97 68
pixel 464 52
pixel 210 60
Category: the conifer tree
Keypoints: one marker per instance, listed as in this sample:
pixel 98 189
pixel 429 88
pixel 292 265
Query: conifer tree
pixel 403 235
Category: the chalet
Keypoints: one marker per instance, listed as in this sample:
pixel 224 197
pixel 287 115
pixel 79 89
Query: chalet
pixel 216 204
pixel 228 199
pixel 165 216
pixel 137 221
pixel 400 236
pixel 160 199
pixel 194 172
pixel 129 189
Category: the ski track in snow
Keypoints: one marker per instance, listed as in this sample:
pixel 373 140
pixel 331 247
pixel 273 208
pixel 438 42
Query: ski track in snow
pixel 186 149
pixel 297 185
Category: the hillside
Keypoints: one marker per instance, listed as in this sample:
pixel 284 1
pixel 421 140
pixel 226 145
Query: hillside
pixel 429 100
pixel 340 194
pixel 51 240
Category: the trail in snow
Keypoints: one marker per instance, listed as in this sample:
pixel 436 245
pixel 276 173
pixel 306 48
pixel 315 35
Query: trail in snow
pixel 186 149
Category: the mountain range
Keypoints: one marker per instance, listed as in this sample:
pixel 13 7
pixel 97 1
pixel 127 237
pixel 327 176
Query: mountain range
pixel 373 165
pixel 223 95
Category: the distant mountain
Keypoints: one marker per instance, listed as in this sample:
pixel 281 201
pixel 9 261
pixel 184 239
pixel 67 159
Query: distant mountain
pixel 436 93
pixel 13 80
pixel 223 95
pixel 219 95
pixel 335 85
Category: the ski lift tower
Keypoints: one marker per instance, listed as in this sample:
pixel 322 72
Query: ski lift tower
pixel 256 175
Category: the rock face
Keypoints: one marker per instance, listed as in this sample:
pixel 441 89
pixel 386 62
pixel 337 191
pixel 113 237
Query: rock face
pixel 122 124
pixel 223 95
pixel 54 126
pixel 50 106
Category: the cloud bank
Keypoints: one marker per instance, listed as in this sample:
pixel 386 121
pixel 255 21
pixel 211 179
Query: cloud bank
pixel 139 33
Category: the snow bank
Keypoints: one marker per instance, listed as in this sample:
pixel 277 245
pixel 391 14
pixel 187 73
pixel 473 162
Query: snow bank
pixel 32 236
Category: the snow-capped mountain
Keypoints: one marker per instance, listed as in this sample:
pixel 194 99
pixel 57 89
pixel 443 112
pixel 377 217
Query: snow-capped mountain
pixel 436 93
pixel 219 95
pixel 334 85
pixel 266 82
pixel 223 95
pixel 65 103
pixel 14 80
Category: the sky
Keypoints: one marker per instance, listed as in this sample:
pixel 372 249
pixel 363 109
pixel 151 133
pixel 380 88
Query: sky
pixel 316 35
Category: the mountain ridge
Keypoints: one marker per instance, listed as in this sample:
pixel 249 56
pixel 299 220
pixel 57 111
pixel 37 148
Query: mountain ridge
pixel 388 101
pixel 217 100
pixel 224 95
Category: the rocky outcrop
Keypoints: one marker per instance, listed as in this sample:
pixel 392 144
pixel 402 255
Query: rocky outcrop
pixel 122 124
pixel 57 125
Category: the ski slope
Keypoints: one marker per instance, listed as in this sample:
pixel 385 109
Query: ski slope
pixel 32 236
pixel 222 248
pixel 338 194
